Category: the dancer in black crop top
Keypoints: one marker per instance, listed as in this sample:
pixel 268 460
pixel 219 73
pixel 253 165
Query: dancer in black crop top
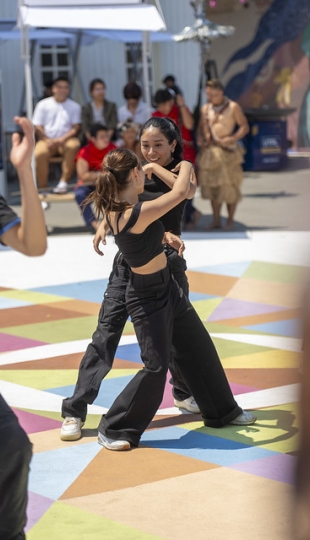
pixel 138 249
pixel 160 147
pixel 157 308
pixel 99 356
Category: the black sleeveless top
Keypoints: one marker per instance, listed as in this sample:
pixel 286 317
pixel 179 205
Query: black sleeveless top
pixel 139 248
pixel 153 189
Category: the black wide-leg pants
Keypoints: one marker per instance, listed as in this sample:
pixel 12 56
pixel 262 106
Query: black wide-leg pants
pixel 15 456
pixel 160 311
pixel 99 356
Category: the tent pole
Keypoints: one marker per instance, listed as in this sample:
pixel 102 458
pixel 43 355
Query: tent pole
pixel 36 94
pixel 76 72
pixel 145 67
pixel 75 55
pixel 25 54
pixel 22 97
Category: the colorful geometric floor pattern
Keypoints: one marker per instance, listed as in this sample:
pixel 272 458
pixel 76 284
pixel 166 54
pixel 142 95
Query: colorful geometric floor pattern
pixel 185 480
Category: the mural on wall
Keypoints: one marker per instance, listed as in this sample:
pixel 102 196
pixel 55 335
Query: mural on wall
pixel 304 117
pixel 280 77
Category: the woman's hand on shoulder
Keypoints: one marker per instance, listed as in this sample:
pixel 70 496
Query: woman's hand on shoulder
pixel 176 169
pixel 178 166
pixel 174 241
pixel 148 169
pixel 193 179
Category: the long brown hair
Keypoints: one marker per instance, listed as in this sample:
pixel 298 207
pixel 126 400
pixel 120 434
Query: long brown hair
pixel 112 180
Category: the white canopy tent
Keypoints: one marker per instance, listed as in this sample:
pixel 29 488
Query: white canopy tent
pixel 71 39
pixel 96 15
pixel 100 14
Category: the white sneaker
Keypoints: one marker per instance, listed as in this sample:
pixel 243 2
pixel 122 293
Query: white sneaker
pixel 112 444
pixel 71 429
pixel 188 404
pixel 244 419
pixel 45 205
pixel 62 187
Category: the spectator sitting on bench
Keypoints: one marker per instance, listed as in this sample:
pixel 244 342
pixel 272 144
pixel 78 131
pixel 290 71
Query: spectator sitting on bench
pixel 88 163
pixel 57 120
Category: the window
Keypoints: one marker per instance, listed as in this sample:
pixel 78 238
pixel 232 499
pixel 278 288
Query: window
pixel 54 62
pixel 134 68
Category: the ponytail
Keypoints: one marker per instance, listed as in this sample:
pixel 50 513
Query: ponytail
pixel 112 180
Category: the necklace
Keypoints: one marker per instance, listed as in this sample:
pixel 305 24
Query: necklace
pixel 218 108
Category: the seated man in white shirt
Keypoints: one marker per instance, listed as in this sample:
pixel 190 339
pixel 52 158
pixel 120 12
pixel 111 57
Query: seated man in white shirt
pixel 57 120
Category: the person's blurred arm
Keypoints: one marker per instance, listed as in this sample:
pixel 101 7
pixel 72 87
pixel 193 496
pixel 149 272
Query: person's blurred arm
pixel 73 132
pixel 28 236
pixel 57 141
pixel 40 133
pixel 241 122
pixel 203 135
pixel 186 115
pixel 83 172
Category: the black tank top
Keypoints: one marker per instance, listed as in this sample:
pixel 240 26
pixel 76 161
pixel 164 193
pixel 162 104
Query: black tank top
pixel 153 189
pixel 139 248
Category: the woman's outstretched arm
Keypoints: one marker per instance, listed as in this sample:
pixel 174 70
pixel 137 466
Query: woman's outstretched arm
pixel 169 177
pixel 29 236
pixel 153 210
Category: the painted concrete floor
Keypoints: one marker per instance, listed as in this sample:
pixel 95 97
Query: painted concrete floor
pixel 185 480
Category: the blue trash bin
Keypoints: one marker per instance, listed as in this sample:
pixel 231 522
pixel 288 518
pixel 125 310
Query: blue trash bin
pixel 266 143
pixel 266 146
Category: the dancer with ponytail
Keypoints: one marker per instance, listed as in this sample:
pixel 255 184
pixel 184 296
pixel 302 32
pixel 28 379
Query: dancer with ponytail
pixel 162 149
pixel 157 306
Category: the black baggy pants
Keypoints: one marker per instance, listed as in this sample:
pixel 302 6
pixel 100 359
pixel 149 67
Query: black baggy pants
pixel 15 456
pixel 99 356
pixel 160 311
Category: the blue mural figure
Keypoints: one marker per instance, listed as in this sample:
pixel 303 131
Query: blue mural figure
pixel 283 21
pixel 304 116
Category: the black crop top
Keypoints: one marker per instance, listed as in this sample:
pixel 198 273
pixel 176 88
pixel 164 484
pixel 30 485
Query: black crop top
pixel 139 248
pixel 153 189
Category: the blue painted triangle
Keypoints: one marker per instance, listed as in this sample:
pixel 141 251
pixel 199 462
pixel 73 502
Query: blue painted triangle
pixel 51 473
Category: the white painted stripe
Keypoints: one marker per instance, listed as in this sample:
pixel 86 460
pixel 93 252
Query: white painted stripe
pixel 269 397
pixel 52 350
pixel 24 397
pixel 170 411
pixel 275 342
pixel 70 347
pixel 62 261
